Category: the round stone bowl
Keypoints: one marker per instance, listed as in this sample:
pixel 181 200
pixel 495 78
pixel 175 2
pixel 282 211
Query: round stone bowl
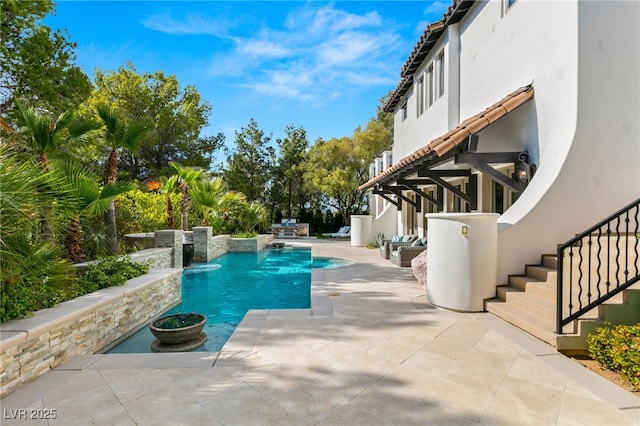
pixel 178 328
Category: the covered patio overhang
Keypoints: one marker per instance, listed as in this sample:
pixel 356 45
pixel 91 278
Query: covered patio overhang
pixel 455 154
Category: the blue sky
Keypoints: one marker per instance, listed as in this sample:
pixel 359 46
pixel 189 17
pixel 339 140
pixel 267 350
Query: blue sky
pixel 319 65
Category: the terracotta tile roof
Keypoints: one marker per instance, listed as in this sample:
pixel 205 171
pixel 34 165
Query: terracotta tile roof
pixel 421 50
pixel 445 143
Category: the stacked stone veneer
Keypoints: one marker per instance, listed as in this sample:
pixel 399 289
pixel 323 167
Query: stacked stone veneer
pixel 156 258
pixel 207 246
pixel 29 347
pixel 249 244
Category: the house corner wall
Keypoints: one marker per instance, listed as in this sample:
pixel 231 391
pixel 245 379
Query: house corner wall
pixel 600 171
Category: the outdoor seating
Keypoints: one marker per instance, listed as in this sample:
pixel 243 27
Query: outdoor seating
pixel 403 255
pixel 344 232
pixel 387 246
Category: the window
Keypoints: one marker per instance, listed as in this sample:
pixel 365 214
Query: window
pixel 430 85
pixel 420 97
pixel 403 108
pixel 506 5
pixel 498 198
pixel 441 73
pixel 412 216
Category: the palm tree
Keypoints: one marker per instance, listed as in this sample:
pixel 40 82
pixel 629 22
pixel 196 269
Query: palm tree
pixel 253 215
pixel 92 199
pixel 187 177
pixel 44 137
pixel 118 134
pixel 46 134
pixel 29 266
pixel 169 185
pixel 207 197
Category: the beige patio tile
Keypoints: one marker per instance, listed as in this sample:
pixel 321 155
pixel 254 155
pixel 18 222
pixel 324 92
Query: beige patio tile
pixel 159 407
pixel 397 349
pixel 458 400
pixel 409 381
pixel 128 385
pixel 530 403
pixel 581 407
pixel 526 367
pixel 86 399
pixel 203 384
pixel 243 405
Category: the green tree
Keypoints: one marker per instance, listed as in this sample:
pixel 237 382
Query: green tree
pixel 188 177
pixel 92 200
pixel 370 142
pixel 45 135
pixel 249 164
pixel 175 115
pixel 169 186
pixel 207 197
pixel 37 64
pixel 118 134
pixel 253 216
pixel 287 190
pixel 383 117
pixel 336 168
pixel 332 171
pixel 33 272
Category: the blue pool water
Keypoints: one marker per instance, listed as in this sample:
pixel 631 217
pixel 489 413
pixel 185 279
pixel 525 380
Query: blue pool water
pixel 227 287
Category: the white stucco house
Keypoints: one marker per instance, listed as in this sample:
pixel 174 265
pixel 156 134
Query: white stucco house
pixel 525 108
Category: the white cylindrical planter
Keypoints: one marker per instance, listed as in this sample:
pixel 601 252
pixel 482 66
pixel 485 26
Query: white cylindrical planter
pixel 361 230
pixel 462 259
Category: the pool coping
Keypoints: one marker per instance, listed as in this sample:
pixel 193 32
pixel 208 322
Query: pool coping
pixel 242 340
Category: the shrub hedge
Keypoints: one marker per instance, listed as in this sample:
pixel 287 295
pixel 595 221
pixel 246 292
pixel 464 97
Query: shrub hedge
pixel 21 298
pixel 617 348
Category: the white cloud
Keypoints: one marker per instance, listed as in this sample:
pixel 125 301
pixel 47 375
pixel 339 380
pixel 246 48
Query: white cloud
pixel 314 56
pixel 192 24
pixel 262 48
pixel 437 8
pixel 327 19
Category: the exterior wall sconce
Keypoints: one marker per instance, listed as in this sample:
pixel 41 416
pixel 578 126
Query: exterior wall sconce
pixel 524 169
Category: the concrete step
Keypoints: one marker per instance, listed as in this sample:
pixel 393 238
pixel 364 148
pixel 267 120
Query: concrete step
pixel 532 324
pixel 550 261
pixel 532 304
pixel 541 273
pixel 544 289
pixel 529 301
pixel 503 290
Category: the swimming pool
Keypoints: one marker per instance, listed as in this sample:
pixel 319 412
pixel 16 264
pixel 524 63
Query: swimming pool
pixel 227 287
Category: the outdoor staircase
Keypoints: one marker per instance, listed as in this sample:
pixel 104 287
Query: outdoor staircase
pixel 529 302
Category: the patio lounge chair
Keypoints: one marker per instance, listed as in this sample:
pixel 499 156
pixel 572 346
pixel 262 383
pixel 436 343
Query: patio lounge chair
pixel 403 255
pixel 344 232
pixel 387 246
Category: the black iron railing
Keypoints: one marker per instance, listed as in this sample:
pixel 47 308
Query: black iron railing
pixel 598 264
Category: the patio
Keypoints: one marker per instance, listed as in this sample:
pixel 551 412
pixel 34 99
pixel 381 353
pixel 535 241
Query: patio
pixel 371 350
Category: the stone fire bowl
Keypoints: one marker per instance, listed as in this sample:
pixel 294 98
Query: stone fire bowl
pixel 178 328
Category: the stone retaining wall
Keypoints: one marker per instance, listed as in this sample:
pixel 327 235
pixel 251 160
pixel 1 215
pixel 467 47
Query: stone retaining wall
pixel 29 347
pixel 244 245
pixel 207 246
pixel 156 258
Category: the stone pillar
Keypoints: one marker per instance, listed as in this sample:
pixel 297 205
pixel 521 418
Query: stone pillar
pixel 202 236
pixel 171 238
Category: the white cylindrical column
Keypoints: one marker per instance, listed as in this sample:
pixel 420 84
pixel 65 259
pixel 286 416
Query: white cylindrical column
pixel 462 260
pixel 361 230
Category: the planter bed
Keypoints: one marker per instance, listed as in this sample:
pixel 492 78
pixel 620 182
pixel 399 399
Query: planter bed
pixel 31 346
